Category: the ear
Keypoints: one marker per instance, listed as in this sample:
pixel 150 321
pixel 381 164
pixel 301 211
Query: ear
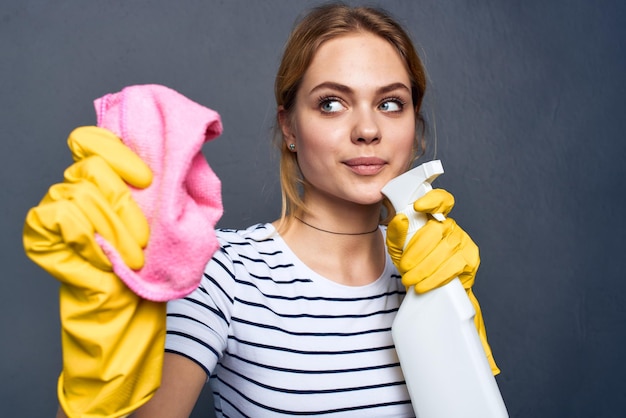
pixel 286 125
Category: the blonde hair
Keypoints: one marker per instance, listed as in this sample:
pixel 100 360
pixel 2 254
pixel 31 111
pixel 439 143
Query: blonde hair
pixel 322 24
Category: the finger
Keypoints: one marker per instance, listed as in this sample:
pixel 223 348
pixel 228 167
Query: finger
pixel 396 236
pixel 91 140
pixel 471 254
pixel 435 201
pixel 438 267
pixel 96 171
pixel 433 272
pixel 455 255
pixel 458 238
pixel 423 243
pixel 98 217
pixel 45 241
pixel 437 275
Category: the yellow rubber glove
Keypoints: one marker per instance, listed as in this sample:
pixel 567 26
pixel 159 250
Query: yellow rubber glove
pixel 112 340
pixel 436 254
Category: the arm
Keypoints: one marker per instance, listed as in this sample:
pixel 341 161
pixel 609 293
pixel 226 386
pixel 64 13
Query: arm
pixel 181 384
pixel 112 339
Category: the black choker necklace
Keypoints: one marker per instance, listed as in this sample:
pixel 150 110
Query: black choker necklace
pixel 338 233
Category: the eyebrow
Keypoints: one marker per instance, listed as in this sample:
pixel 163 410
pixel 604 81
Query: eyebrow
pixel 345 89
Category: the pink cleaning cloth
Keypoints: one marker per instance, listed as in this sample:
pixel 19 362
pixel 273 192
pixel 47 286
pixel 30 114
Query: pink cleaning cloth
pixel 184 202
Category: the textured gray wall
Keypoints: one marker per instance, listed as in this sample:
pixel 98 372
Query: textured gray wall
pixel 526 103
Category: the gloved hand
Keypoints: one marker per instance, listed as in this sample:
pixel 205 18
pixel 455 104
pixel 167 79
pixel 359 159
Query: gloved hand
pixel 436 254
pixel 112 340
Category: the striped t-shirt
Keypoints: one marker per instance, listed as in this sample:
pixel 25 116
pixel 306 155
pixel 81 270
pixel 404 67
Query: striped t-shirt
pixel 278 339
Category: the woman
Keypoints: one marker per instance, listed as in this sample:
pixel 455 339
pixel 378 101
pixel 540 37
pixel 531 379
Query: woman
pixel 294 317
pixel 312 336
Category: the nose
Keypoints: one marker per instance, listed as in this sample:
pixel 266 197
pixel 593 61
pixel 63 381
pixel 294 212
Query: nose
pixel 366 129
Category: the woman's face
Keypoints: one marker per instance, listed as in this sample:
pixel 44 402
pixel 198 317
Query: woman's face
pixel 353 122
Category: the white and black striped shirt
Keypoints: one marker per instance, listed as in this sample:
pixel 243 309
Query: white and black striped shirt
pixel 278 339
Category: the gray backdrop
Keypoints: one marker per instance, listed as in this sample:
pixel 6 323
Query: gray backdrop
pixel 526 103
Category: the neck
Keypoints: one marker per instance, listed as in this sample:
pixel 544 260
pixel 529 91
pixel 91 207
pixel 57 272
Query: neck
pixel 335 232
pixel 339 242
pixel 334 216
pixel 348 259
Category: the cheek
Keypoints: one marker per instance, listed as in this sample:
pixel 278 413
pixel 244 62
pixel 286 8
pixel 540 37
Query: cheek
pixel 403 135
pixel 310 147
pixel 318 139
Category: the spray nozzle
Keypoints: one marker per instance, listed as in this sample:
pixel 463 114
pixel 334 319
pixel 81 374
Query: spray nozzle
pixel 408 187
pixel 403 190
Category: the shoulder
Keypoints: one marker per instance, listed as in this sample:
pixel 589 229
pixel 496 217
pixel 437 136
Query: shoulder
pixel 256 233
pixel 255 241
pixel 242 251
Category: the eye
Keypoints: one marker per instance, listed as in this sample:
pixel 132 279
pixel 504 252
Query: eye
pixel 330 105
pixel 392 105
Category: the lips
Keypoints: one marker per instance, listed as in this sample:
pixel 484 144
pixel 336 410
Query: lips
pixel 365 165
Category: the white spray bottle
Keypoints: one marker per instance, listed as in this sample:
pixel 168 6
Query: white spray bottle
pixel 444 365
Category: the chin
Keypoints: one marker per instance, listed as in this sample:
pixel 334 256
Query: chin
pixel 374 199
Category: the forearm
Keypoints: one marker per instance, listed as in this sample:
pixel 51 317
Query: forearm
pixel 181 385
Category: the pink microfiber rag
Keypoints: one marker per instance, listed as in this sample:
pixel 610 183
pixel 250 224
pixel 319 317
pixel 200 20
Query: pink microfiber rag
pixel 184 202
